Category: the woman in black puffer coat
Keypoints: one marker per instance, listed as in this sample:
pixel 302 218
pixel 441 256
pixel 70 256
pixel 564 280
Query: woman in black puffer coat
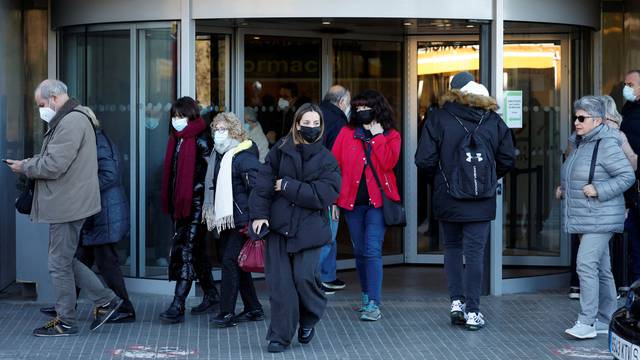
pixel 297 183
pixel 230 177
pixel 185 167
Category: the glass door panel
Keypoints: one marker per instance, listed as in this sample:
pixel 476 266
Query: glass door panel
pixel 532 216
pixel 438 62
pixel 157 89
pixel 360 65
pixel 280 74
pixel 212 73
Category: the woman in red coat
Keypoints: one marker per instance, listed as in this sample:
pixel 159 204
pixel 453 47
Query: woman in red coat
pixel 371 129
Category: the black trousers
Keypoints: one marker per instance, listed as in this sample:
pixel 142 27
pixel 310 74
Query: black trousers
pixel 293 280
pixel 105 257
pixel 233 278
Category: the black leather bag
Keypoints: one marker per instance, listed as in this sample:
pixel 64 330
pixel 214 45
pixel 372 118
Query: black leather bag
pixel 394 214
pixel 25 199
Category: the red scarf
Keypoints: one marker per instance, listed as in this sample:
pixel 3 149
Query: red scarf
pixel 185 174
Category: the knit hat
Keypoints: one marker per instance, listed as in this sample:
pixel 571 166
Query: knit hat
pixel 461 79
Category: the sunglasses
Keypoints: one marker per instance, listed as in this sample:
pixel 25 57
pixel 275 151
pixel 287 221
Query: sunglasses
pixel 581 118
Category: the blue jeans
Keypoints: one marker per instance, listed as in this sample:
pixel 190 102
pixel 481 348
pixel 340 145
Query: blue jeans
pixel 366 226
pixel 328 254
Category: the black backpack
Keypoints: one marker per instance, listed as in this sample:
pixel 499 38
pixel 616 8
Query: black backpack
pixel 474 170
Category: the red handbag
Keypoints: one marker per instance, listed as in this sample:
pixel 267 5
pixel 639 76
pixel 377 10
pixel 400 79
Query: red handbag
pixel 251 258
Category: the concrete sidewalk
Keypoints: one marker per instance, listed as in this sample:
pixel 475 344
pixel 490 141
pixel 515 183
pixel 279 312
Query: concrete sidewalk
pixel 415 325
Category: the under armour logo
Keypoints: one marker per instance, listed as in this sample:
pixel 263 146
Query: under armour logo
pixel 478 157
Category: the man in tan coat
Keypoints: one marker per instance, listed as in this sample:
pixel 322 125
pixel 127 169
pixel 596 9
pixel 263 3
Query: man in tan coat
pixel 66 193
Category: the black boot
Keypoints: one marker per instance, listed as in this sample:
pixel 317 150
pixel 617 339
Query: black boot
pixel 175 312
pixel 210 298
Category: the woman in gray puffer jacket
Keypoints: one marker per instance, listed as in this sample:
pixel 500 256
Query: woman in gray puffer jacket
pixel 592 193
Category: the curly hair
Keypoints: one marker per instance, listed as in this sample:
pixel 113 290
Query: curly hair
pixel 382 111
pixel 236 131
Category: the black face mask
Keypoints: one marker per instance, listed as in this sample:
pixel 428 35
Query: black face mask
pixel 364 117
pixel 309 134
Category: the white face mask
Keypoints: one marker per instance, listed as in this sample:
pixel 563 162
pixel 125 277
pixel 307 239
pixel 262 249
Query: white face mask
pixel 283 104
pixel 628 93
pixel 151 122
pixel 220 136
pixel 46 113
pixel 179 123
pixel 347 111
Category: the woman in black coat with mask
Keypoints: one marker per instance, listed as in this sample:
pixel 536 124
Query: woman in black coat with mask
pixel 297 183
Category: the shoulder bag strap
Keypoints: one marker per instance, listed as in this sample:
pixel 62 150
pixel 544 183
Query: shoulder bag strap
pixel 594 157
pixel 370 163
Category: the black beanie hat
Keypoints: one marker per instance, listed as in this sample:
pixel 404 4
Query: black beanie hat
pixel 460 80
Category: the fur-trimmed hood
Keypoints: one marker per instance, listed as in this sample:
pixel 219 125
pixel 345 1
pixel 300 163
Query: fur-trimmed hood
pixel 467 99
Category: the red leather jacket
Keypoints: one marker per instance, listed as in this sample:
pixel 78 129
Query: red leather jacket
pixel 349 151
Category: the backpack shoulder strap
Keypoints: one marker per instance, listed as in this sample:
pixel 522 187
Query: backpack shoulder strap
pixel 594 157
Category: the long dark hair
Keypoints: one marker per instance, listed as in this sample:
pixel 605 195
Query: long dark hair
pixel 303 109
pixel 382 111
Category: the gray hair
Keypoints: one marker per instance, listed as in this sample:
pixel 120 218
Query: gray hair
pixel 593 105
pixel 335 94
pixel 611 110
pixel 51 87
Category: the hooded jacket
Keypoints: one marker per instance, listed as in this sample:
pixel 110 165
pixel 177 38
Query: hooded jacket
pixel 612 176
pixel 440 140
pixel 310 183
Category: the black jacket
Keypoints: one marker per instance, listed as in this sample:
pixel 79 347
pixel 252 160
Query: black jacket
pixel 189 232
pixel 244 171
pixel 631 128
pixel 310 183
pixel 112 222
pixel 631 124
pixel 439 142
pixel 334 120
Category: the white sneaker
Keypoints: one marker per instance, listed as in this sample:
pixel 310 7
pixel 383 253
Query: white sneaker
pixel 457 313
pixel 475 321
pixel 601 327
pixel 582 331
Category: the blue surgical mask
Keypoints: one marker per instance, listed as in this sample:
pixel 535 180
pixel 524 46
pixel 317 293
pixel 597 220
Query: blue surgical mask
pixel 246 126
pixel 347 111
pixel 179 123
pixel 628 93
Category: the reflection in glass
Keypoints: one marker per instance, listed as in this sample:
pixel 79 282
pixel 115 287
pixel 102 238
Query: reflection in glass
pixel 157 91
pixel 533 216
pixel 280 74
pixel 438 62
pixel 102 81
pixel 212 75
pixel 360 65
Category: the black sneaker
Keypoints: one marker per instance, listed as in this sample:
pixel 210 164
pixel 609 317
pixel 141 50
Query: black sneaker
pixel 224 320
pixel 336 284
pixel 327 291
pixel 102 313
pixel 574 293
pixel 253 315
pixel 305 335
pixel 56 327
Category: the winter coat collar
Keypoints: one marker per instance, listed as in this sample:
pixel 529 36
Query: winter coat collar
pixel 65 109
pixel 600 132
pixel 486 103
pixel 305 150
pixel 335 110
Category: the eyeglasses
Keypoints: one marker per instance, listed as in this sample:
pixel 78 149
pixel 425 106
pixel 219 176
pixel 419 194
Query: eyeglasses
pixel 581 118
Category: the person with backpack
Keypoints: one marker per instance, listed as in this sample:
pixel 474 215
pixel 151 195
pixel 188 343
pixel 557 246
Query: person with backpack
pixel 593 180
pixel 368 149
pixel 465 147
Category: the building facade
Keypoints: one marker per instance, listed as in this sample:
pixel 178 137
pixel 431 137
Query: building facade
pixel 129 60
